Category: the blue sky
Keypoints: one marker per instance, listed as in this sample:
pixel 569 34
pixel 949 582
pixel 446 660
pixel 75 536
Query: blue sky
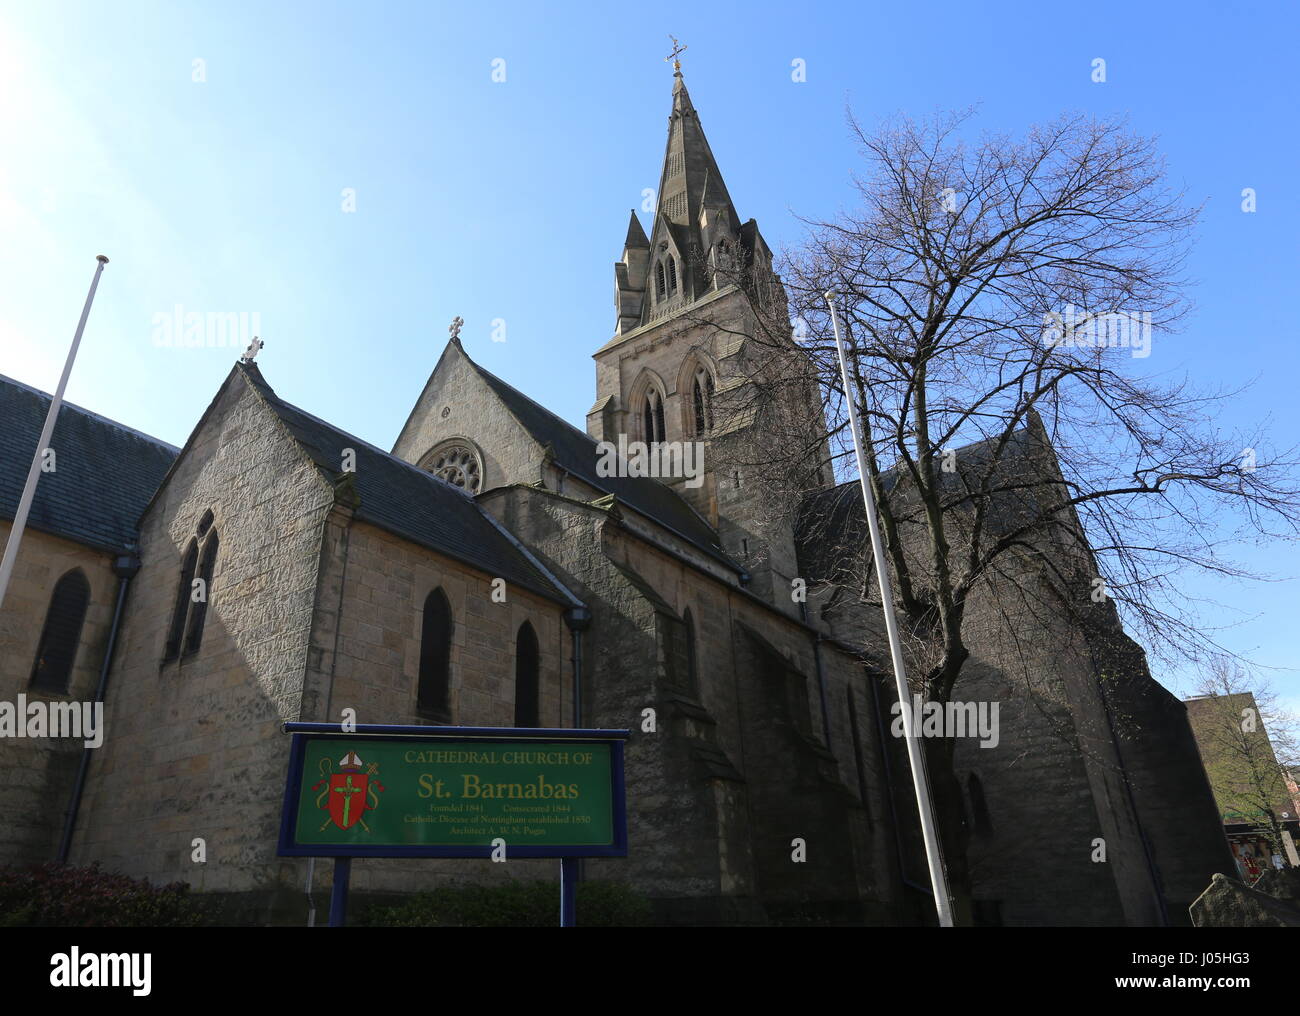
pixel 507 201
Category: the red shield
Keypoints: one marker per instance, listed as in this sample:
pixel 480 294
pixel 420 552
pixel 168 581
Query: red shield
pixel 347 798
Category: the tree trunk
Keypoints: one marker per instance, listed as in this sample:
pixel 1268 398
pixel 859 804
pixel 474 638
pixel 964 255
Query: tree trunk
pixel 954 832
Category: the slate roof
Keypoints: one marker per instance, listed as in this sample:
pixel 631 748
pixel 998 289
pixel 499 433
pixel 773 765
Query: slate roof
pixel 576 452
pixel 407 501
pixel 104 476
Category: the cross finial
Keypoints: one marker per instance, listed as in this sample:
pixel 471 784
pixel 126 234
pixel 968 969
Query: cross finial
pixel 456 323
pixel 678 49
pixel 254 347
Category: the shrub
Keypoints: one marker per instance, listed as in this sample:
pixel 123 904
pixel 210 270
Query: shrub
pixel 62 896
pixel 514 905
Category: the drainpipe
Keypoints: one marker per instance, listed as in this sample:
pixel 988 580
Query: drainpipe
pixel 821 674
pixel 578 620
pixel 124 567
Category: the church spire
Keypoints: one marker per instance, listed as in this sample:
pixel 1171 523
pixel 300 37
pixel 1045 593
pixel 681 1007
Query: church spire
pixel 695 226
pixel 636 238
pixel 688 165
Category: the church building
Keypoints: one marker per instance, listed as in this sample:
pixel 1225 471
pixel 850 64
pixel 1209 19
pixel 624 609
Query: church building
pixel 485 571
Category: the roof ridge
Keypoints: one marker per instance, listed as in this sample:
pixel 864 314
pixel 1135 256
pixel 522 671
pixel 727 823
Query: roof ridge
pixel 1023 429
pixel 403 494
pixel 65 404
pixel 361 441
pixel 713 546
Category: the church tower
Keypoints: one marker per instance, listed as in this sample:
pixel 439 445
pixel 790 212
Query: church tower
pixel 688 297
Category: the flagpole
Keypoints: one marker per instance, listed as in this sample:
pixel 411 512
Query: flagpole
pixel 34 474
pixel 920 782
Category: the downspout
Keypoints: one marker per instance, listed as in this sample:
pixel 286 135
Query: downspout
pixel 345 498
pixel 821 673
pixel 577 619
pixel 125 567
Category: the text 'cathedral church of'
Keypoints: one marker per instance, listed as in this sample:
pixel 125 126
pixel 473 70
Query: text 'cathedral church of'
pixel 372 589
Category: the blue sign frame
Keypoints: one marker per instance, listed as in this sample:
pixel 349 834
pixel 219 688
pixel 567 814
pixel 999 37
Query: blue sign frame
pixel 305 732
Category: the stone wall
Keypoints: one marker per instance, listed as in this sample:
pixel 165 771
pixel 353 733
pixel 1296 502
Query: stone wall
pixel 1051 785
pixel 1094 805
pixel 193 747
pixel 310 612
pixel 714 329
pixel 1171 791
pixel 473 412
pixel 692 782
pixel 366 657
pixel 39 773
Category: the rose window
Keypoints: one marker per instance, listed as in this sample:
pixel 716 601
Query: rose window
pixel 457 465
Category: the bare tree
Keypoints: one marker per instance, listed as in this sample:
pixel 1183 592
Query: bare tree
pixel 1249 746
pixel 1004 301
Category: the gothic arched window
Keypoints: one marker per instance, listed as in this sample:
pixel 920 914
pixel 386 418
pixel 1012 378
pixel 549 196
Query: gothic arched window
pixel 199 595
pixel 702 398
pixel 177 629
pixel 527 677
pixel 652 417
pixel 660 285
pixel 433 698
pixel 185 634
pixel 57 650
pixel 672 274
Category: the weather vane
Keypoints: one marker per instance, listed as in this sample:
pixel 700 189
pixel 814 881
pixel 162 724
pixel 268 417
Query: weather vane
pixel 678 49
pixel 456 324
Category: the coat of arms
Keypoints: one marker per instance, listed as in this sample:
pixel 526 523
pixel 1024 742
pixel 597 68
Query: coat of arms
pixel 348 793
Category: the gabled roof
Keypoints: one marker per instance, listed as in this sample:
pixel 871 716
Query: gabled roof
pixel 104 473
pixel 576 453
pixel 405 500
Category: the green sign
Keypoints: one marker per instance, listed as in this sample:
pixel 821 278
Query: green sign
pixel 370 795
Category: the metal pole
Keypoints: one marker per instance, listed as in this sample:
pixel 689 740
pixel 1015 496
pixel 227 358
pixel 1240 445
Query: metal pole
pixel 34 474
pixel 568 892
pixel 339 892
pixel 914 755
